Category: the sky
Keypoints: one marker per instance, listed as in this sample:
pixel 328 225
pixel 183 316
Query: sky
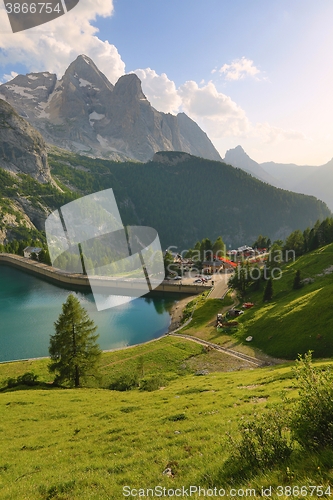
pixel 255 73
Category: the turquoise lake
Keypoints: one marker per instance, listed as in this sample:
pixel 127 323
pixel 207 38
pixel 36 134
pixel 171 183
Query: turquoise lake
pixel 30 306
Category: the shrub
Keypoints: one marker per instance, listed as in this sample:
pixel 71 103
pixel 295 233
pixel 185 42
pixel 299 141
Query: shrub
pixel 125 382
pixel 312 422
pixel 152 383
pixel 27 378
pixel 11 382
pixel 265 442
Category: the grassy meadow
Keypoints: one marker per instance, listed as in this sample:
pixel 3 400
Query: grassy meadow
pixel 90 443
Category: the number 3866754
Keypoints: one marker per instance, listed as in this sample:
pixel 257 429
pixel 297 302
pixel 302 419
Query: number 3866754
pixel 32 8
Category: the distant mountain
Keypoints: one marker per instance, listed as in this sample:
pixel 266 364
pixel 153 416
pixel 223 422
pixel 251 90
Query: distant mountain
pixel 305 179
pixel 238 158
pixel 85 113
pixel 318 183
pixel 289 174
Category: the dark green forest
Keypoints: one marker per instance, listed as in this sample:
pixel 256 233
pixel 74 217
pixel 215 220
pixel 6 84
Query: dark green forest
pixel 188 199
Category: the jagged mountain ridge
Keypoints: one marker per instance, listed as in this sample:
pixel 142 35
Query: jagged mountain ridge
pixel 85 113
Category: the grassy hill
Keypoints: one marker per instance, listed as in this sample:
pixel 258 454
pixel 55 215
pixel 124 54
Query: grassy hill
pixel 295 321
pixel 292 323
pixel 90 443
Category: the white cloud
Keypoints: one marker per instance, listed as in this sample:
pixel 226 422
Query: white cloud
pixel 216 112
pixel 7 78
pixel 239 69
pixel 54 45
pixel 160 91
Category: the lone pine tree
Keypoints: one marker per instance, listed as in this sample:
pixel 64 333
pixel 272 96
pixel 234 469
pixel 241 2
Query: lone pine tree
pixel 268 292
pixel 73 349
pixel 297 280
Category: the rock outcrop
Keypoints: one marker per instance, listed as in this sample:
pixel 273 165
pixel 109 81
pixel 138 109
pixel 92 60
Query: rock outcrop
pixel 22 148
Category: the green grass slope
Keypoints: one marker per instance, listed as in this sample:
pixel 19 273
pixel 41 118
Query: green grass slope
pixel 89 443
pixel 294 321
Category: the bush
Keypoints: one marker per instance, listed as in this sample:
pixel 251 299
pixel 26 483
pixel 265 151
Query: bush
pixel 125 382
pixel 312 422
pixel 265 442
pixel 11 382
pixel 27 378
pixel 152 383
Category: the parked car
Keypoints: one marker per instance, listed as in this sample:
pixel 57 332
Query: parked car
pixel 199 280
pixel 177 278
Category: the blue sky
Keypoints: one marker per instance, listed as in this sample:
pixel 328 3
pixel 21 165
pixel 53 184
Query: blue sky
pixel 256 73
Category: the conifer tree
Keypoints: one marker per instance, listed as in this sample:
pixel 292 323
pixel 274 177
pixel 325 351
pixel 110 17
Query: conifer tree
pixel 268 292
pixel 73 349
pixel 297 280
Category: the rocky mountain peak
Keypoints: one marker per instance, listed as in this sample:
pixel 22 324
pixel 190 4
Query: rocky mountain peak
pixel 85 113
pixel 128 88
pixel 237 157
pixel 83 72
pixel 235 154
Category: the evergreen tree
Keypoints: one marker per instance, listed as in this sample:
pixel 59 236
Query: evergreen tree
pixel 73 349
pixel 206 250
pixel 240 280
pixel 168 262
pixel 219 247
pixel 268 292
pixel 297 280
pixel 295 242
pixel 44 257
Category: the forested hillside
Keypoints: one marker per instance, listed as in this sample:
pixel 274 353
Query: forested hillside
pixel 186 198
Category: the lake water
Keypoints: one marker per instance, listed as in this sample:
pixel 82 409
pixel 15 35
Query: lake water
pixel 30 306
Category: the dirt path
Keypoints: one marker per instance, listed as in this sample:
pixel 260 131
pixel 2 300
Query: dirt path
pixel 230 352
